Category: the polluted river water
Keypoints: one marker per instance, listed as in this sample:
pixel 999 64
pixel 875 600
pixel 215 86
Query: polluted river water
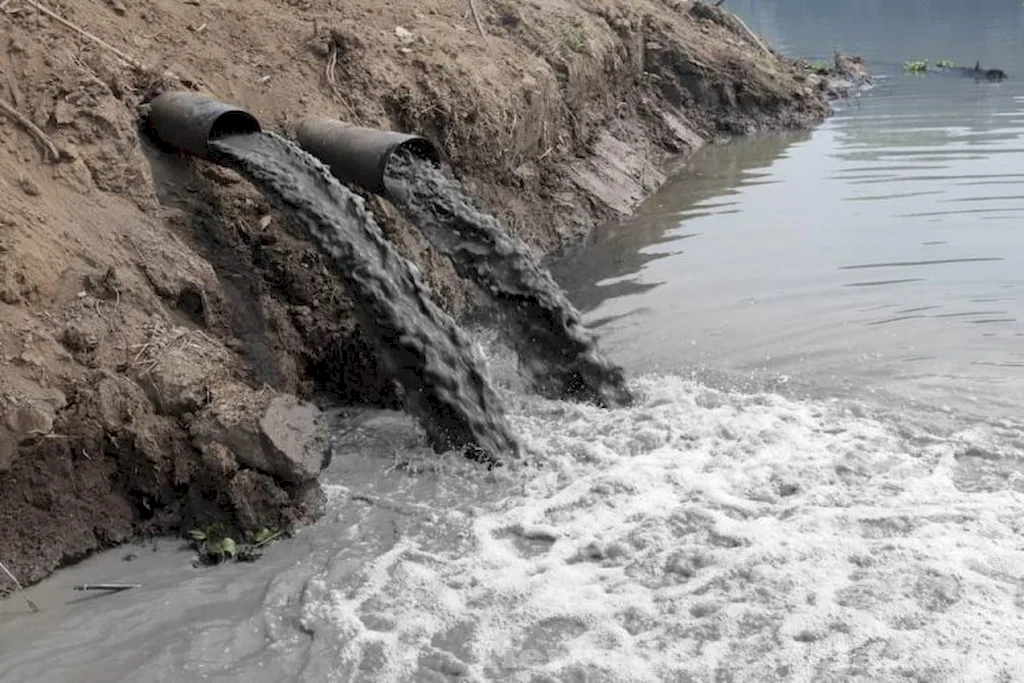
pixel 880 253
pixel 852 523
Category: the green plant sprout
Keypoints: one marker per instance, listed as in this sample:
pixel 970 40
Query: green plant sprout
pixel 574 38
pixel 214 545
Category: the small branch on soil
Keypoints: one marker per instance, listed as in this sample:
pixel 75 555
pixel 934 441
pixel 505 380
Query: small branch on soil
pixel 142 350
pixel 152 352
pixel 33 129
pixel 107 586
pixel 21 591
pixel 127 59
pixel 751 35
pixel 17 99
pixel 332 63
pixel 267 540
pixel 35 439
pixel 476 18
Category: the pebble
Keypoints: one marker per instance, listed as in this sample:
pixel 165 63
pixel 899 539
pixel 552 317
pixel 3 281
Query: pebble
pixel 404 35
pixel 28 186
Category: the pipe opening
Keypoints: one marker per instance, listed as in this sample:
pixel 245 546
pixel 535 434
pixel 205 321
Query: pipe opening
pixel 235 122
pixel 421 149
pixel 186 122
pixel 413 148
pixel 359 155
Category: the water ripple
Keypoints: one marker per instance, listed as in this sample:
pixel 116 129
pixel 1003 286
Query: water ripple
pixel 930 262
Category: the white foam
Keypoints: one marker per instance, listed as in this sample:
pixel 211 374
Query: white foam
pixel 707 536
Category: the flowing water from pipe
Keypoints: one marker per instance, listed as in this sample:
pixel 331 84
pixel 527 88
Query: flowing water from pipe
pixel 556 351
pixel 419 344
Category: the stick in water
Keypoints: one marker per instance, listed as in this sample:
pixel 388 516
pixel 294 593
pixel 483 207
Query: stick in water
pixel 106 586
pixel 31 605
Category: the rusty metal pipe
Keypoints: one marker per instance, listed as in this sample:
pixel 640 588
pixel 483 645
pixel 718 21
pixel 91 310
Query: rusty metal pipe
pixel 186 122
pixel 360 155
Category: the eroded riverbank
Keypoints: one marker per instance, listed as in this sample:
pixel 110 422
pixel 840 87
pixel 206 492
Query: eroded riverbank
pixel 152 309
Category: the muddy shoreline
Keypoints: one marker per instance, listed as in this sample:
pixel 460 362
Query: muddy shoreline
pixel 159 322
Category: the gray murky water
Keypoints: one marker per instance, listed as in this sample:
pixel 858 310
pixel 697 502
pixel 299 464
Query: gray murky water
pixel 881 252
pixel 701 534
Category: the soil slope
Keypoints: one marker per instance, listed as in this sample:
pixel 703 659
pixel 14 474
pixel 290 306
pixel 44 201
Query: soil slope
pixel 156 318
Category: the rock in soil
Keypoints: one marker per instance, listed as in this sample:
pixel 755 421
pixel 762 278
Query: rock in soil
pixel 295 439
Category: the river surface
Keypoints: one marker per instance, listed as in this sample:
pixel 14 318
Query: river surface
pixel 822 478
pixel 882 252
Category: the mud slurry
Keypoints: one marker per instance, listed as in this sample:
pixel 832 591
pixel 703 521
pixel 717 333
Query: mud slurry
pixel 419 345
pixel 559 355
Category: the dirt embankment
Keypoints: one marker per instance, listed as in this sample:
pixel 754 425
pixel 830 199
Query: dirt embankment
pixel 156 319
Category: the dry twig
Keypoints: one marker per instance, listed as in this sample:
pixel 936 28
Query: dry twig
pixel 127 59
pixel 751 36
pixel 33 129
pixel 332 82
pixel 31 605
pixel 476 18
pixel 106 586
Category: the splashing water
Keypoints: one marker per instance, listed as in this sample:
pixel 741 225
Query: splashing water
pixel 698 536
pixel 556 351
pixel 419 345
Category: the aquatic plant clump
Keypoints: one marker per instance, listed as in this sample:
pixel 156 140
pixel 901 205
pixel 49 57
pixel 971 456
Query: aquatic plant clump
pixel 917 66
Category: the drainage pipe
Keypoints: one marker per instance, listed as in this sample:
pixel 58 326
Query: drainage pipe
pixel 360 155
pixel 186 122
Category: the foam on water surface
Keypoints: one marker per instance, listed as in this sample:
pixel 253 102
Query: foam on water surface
pixel 699 535
pixel 702 536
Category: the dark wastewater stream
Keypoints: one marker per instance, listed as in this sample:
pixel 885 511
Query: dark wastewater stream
pixel 556 352
pixel 418 344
